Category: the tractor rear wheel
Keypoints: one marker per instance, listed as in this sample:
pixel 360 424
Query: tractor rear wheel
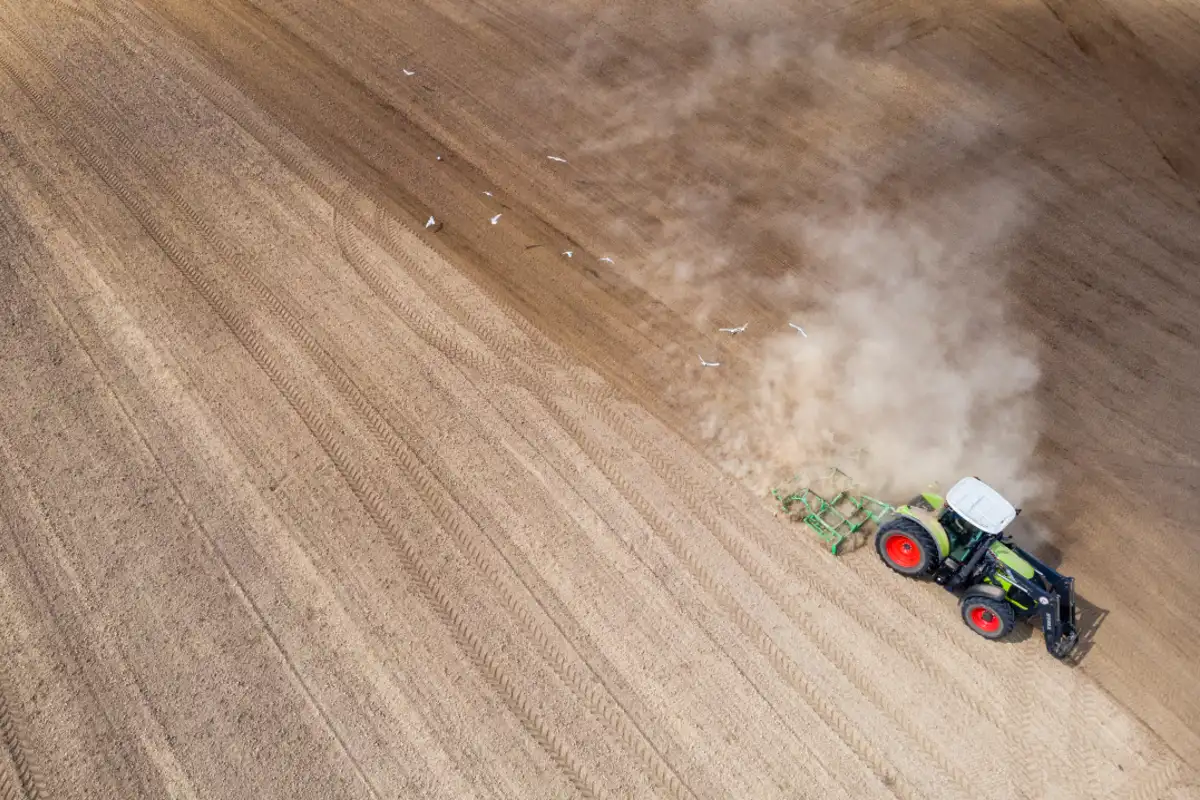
pixel 906 547
pixel 989 616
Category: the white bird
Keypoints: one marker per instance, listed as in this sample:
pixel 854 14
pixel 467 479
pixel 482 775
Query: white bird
pixel 606 258
pixel 409 72
pixel 439 158
pixel 709 363
pixel 797 327
pixel 489 194
pixel 496 219
pixel 431 223
pixel 556 158
pixel 734 330
pixel 568 253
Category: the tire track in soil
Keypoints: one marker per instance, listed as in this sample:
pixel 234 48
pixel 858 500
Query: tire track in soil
pixel 563 417
pixel 906 649
pixel 600 394
pixel 77 651
pixel 595 399
pixel 8 786
pixel 79 11
pixel 902 645
pixel 236 584
pixel 888 777
pixel 24 784
pixel 487 662
pixel 504 371
pixel 17 778
pixel 459 355
pixel 1018 689
pixel 922 606
pixel 1154 782
pixel 39 181
pixel 319 186
pixel 404 445
pixel 512 368
pixel 597 395
pixel 595 692
pixel 789 670
pixel 664 529
pixel 1043 763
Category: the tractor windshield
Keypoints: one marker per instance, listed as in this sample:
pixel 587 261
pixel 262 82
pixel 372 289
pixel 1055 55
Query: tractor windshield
pixel 962 533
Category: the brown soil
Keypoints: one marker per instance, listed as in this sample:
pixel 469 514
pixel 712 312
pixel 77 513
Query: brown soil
pixel 302 499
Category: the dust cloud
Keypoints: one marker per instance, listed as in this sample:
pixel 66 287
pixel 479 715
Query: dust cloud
pixel 912 372
pixel 783 163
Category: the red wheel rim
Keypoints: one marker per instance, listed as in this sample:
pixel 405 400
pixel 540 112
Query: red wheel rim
pixel 985 619
pixel 902 551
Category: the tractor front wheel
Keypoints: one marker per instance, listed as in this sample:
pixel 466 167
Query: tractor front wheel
pixel 906 547
pixel 991 617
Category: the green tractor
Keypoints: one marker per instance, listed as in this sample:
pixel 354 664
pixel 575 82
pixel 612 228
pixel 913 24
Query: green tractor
pixel 959 541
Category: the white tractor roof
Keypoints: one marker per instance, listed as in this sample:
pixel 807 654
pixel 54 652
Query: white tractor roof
pixel 980 505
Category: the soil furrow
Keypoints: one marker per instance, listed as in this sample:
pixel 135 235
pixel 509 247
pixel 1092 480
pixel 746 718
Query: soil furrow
pixel 485 660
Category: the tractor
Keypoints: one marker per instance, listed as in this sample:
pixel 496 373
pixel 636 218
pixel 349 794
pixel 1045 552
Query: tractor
pixel 959 541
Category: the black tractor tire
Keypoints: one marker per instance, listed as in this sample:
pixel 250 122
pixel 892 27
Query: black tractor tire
pixel 987 612
pixel 906 547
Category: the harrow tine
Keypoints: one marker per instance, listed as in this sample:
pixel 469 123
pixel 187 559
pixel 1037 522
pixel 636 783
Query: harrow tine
pixel 841 516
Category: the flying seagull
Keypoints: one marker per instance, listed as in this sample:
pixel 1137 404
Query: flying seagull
pixel 734 330
pixel 431 222
pixel 797 327
pixel 409 72
pixel 606 258
pixel 709 363
pixel 556 158
pixel 496 219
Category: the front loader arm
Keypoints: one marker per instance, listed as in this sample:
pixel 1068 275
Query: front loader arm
pixel 1055 604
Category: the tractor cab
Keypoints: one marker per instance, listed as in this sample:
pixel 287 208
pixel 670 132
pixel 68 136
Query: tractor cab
pixel 972 511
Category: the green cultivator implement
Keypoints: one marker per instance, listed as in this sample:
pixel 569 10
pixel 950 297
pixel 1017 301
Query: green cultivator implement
pixel 959 541
pixel 831 508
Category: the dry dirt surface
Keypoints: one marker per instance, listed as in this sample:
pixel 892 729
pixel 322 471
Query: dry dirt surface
pixel 303 498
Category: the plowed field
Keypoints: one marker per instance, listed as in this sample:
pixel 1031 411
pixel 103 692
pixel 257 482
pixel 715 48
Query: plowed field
pixel 356 439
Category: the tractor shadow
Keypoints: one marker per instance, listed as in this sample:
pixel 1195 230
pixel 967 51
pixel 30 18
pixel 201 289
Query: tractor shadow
pixel 1091 617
